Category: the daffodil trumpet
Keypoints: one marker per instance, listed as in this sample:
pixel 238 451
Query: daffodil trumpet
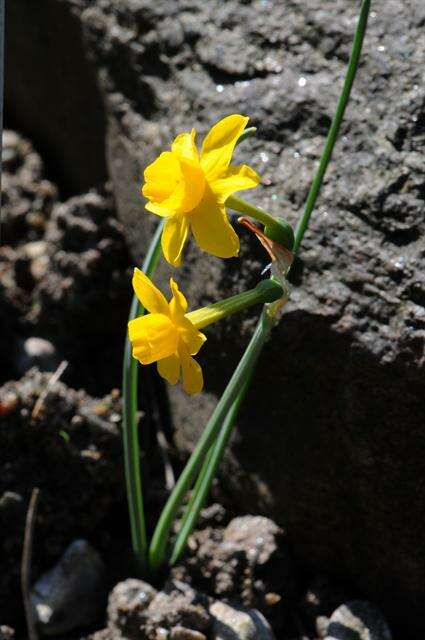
pixel 277 229
pixel 170 336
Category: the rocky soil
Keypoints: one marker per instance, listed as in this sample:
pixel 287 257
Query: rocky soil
pixel 339 389
pixel 239 578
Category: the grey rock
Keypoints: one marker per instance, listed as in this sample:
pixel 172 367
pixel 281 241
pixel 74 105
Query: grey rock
pixel 322 597
pixel 73 593
pixel 357 620
pixel 6 633
pixel 11 500
pixel 238 623
pixel 182 633
pixel 38 352
pixel 178 605
pixel 136 610
pixel 126 602
pixel 256 535
pixel 322 624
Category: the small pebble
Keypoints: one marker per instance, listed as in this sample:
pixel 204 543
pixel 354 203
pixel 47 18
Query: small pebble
pixel 73 593
pixel 37 352
pixel 357 620
pixel 182 633
pixel 231 623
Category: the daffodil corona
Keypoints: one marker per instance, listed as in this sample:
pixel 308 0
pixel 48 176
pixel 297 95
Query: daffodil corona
pixel 169 334
pixel 190 189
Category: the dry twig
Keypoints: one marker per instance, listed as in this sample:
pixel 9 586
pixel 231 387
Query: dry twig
pixel 55 377
pixel 26 564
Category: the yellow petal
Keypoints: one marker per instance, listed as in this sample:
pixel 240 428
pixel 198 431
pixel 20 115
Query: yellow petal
pixel 158 210
pixel 178 303
pixel 219 144
pixel 161 177
pixel 174 182
pixel 149 296
pixel 174 237
pixel 191 336
pixel 212 230
pixel 142 350
pixel 153 337
pixel 234 179
pixel 190 189
pixel 169 368
pixel 193 380
pixel 184 146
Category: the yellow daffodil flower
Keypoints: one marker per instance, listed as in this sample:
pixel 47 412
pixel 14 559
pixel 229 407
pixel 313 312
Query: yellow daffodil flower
pixel 170 336
pixel 165 335
pixel 190 190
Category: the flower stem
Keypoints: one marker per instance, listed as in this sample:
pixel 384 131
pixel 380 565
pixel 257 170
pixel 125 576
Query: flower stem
pixel 265 291
pixel 129 419
pixel 336 123
pixel 250 210
pixel 277 229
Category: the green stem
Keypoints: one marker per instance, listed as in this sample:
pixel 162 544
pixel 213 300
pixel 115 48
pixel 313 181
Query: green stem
pixel 265 291
pixel 233 202
pixel 158 547
pixel 208 473
pixel 336 123
pixel 129 419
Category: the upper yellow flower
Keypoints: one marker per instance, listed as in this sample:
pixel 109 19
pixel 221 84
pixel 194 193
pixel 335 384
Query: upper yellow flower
pixel 166 335
pixel 190 190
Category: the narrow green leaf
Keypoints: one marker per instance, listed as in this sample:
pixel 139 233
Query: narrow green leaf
pixel 353 64
pixel 207 474
pixel 129 418
pixel 158 547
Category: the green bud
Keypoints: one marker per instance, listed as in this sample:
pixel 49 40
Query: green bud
pixel 250 131
pixel 280 231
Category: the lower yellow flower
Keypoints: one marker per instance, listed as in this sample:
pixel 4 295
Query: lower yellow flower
pixel 170 336
pixel 165 335
pixel 190 188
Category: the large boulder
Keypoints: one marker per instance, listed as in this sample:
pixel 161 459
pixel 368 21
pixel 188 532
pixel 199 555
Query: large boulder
pixel 330 441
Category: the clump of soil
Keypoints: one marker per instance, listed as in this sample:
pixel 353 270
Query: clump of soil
pixel 65 273
pixel 249 559
pixel 81 303
pixel 27 197
pixel 67 444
